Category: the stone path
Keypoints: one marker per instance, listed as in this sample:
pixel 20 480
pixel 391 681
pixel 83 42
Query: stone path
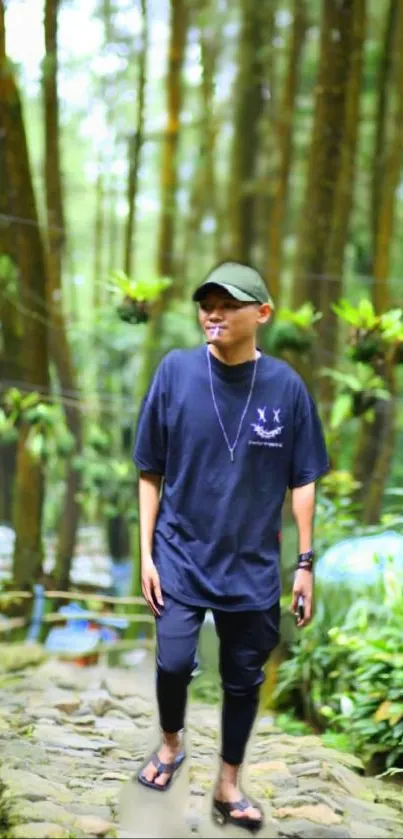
pixel 71 739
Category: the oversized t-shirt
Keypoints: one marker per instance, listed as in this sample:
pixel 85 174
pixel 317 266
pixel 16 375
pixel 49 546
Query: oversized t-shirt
pixel 216 539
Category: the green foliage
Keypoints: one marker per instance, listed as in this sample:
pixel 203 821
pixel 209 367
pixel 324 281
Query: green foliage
pixel 48 434
pixel 290 725
pixel 374 336
pixel 293 330
pixel 142 290
pixel 305 317
pixel 205 688
pixel 8 275
pixel 357 391
pixel 349 677
pixel 362 316
pixel 107 481
pixel 137 295
pixel 336 511
pixel 8 431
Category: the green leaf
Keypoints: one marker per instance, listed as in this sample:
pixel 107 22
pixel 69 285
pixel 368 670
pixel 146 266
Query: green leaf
pixel 342 409
pixel 367 313
pixel 140 290
pixel 347 312
pixel 29 401
pixel 36 445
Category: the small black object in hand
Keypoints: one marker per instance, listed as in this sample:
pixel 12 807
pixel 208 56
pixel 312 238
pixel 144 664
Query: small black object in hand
pixel 301 608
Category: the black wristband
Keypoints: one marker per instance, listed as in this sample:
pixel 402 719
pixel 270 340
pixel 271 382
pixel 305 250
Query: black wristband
pixel 305 560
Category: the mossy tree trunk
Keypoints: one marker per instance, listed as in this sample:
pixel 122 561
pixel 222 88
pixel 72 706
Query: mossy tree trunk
pixel 284 150
pixel 136 140
pixel 29 483
pixel 325 152
pixel 11 325
pixel 169 168
pixel 390 177
pixel 242 203
pixel 376 444
pixel 204 197
pixel 58 344
pixel 332 287
pixel 382 92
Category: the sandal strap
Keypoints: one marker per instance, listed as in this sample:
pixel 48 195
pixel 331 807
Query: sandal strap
pixel 241 805
pixel 162 768
pixel 166 768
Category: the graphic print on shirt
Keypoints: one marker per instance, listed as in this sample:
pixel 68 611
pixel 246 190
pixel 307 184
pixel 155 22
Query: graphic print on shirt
pixel 267 436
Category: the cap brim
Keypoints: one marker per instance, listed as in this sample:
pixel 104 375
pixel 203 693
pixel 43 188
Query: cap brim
pixel 232 290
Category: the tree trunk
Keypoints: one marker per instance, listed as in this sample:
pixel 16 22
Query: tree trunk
pixel 112 195
pixel 382 90
pixel 284 137
pixel 390 180
pixel 376 449
pixel 332 287
pixel 10 376
pixel 135 144
pixel 169 179
pixel 249 109
pixel 382 453
pixel 99 234
pixel 374 452
pixel 58 343
pixel 10 321
pixel 325 152
pixel 29 485
pixel 203 196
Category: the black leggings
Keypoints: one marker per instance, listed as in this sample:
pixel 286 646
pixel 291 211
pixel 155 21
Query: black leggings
pixel 246 641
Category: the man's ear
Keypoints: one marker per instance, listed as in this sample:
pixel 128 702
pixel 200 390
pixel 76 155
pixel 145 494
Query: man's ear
pixel 265 313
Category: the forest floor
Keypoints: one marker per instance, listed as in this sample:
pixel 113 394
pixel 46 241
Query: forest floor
pixel 72 739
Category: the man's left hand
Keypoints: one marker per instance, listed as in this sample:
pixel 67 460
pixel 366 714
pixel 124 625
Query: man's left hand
pixel 303 587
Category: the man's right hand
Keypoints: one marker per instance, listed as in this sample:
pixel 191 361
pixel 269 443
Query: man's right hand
pixel 150 585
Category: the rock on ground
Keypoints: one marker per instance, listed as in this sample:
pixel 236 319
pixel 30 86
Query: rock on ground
pixel 71 740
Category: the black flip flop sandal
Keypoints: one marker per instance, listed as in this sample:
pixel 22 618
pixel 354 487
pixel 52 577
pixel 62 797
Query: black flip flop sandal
pixel 222 814
pixel 162 769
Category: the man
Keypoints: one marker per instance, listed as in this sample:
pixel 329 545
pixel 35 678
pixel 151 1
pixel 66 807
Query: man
pixel 224 431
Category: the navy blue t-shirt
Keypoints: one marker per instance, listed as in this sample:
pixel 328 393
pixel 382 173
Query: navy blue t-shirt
pixel 216 540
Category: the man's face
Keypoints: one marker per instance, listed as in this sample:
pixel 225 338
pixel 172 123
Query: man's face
pixel 226 321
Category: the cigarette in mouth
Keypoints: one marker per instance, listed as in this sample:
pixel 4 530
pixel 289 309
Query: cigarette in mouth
pixel 215 331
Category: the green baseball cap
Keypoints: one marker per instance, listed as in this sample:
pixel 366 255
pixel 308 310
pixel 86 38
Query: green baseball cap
pixel 241 281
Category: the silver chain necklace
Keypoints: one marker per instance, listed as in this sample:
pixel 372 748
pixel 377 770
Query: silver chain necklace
pixel 232 448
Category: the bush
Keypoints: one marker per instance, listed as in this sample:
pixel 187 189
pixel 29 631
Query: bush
pixel 349 678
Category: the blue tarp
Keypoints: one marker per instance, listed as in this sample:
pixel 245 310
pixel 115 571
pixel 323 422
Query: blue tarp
pixel 361 561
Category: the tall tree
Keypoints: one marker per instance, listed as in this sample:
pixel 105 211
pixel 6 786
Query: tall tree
pixel 256 21
pixel 203 195
pixel 10 320
pixel 166 264
pixel 332 287
pixel 136 140
pixel 58 343
pixel 29 483
pixel 179 16
pixel 283 126
pixel 376 443
pixel 388 183
pixel 99 233
pixel 382 94
pixel 325 151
